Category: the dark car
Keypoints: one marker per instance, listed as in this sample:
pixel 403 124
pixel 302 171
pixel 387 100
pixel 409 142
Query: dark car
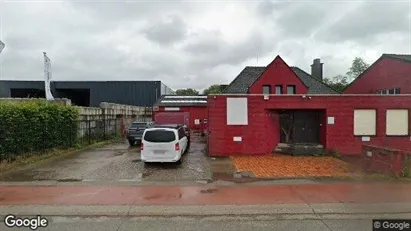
pixel 135 132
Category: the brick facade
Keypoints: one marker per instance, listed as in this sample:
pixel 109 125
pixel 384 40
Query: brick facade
pixel 385 73
pixel 194 112
pixel 262 133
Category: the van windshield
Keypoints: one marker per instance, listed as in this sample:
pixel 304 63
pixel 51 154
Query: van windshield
pixel 160 136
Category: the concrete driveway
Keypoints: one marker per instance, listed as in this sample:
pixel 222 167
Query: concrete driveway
pixel 114 163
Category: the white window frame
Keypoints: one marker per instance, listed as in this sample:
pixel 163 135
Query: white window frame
pixel 393 124
pixel 365 122
pixel 237 111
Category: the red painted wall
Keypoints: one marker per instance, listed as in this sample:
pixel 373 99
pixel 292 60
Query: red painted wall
pixel 261 135
pixel 385 74
pixel 194 113
pixel 278 73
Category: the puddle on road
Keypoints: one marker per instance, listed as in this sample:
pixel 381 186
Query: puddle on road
pixel 69 180
pixel 210 190
pixel 158 196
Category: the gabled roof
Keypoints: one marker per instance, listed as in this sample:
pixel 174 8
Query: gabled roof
pixel 244 80
pixel 249 75
pixel 402 57
pixel 315 86
pixel 181 100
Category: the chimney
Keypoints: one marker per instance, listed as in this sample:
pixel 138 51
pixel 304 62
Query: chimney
pixel 317 69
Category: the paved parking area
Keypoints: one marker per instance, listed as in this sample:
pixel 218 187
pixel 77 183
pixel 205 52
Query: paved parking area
pixel 115 163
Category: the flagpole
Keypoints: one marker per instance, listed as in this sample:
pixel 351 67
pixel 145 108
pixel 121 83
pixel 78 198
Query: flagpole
pixel 47 77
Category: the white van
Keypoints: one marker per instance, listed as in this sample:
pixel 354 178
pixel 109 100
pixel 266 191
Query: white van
pixel 163 143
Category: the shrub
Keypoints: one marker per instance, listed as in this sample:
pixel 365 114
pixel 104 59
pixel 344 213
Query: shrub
pixel 35 126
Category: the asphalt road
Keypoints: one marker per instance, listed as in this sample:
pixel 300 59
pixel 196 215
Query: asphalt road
pixel 199 224
pixel 115 163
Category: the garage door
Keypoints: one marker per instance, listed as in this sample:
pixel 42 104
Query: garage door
pixel 172 118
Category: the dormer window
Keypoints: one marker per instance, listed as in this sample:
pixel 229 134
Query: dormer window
pixel 278 89
pixel 266 89
pixel 291 89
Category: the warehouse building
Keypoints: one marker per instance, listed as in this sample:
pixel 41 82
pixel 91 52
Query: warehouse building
pixel 188 110
pixel 90 93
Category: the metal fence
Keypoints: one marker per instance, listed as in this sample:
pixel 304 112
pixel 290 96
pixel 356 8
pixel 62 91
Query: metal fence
pixel 90 131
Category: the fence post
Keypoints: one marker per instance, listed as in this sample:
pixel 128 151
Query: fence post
pixel 89 131
pixel 104 123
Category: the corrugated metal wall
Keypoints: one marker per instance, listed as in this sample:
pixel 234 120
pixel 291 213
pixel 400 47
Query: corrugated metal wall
pixel 138 93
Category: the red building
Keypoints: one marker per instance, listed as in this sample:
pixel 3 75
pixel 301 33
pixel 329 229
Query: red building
pixel 188 110
pixel 390 74
pixel 254 117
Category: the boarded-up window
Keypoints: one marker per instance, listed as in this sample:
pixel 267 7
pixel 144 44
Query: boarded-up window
pixel 397 122
pixel 237 111
pixel 365 122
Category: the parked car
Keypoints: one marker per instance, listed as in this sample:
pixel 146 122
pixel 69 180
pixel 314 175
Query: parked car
pixel 164 143
pixel 135 131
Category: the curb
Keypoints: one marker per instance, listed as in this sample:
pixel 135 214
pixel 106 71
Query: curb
pixel 307 211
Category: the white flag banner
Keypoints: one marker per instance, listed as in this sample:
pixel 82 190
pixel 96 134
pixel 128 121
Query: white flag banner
pixel 47 77
pixel 2 45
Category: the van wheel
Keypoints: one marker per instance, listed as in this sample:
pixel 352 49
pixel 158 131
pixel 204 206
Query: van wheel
pixel 179 162
pixel 132 142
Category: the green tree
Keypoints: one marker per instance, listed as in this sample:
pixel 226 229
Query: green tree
pixel 338 82
pixel 358 66
pixel 187 91
pixel 215 89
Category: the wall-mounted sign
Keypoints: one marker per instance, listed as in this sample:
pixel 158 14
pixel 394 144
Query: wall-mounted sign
pixel 330 120
pixel 365 138
pixel 237 138
pixel 171 109
pixel 196 121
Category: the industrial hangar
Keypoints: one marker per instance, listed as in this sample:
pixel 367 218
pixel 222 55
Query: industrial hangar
pixel 90 93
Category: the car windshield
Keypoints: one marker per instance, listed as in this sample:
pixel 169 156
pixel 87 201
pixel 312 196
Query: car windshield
pixel 160 136
pixel 138 125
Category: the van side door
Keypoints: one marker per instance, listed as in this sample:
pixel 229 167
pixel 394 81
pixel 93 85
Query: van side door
pixel 182 138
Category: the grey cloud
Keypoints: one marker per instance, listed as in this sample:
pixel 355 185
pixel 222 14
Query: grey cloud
pixel 166 32
pixel 114 11
pixel 370 20
pixel 213 50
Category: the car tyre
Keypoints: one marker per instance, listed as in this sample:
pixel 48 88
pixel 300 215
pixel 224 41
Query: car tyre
pixel 180 161
pixel 132 142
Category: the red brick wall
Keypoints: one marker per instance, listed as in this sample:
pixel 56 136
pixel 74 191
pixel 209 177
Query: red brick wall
pixel 195 113
pixel 384 160
pixel 261 135
pixel 278 73
pixel 385 74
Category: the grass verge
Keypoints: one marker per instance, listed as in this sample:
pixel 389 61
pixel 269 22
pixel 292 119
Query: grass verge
pixel 31 160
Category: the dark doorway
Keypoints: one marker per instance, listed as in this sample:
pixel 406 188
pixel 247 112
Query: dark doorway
pixel 300 126
pixel 27 93
pixel 78 97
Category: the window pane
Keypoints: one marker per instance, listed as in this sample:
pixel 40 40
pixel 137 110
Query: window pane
pixel 391 91
pixel 159 136
pixel 290 90
pixel 397 91
pixel 278 90
pixel 397 122
pixel 364 122
pixel 266 90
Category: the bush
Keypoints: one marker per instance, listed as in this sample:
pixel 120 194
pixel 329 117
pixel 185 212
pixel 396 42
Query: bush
pixel 35 126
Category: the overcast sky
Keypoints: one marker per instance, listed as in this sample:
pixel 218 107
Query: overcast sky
pixel 187 44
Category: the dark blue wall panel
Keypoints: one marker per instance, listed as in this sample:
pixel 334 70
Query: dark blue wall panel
pixel 138 93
